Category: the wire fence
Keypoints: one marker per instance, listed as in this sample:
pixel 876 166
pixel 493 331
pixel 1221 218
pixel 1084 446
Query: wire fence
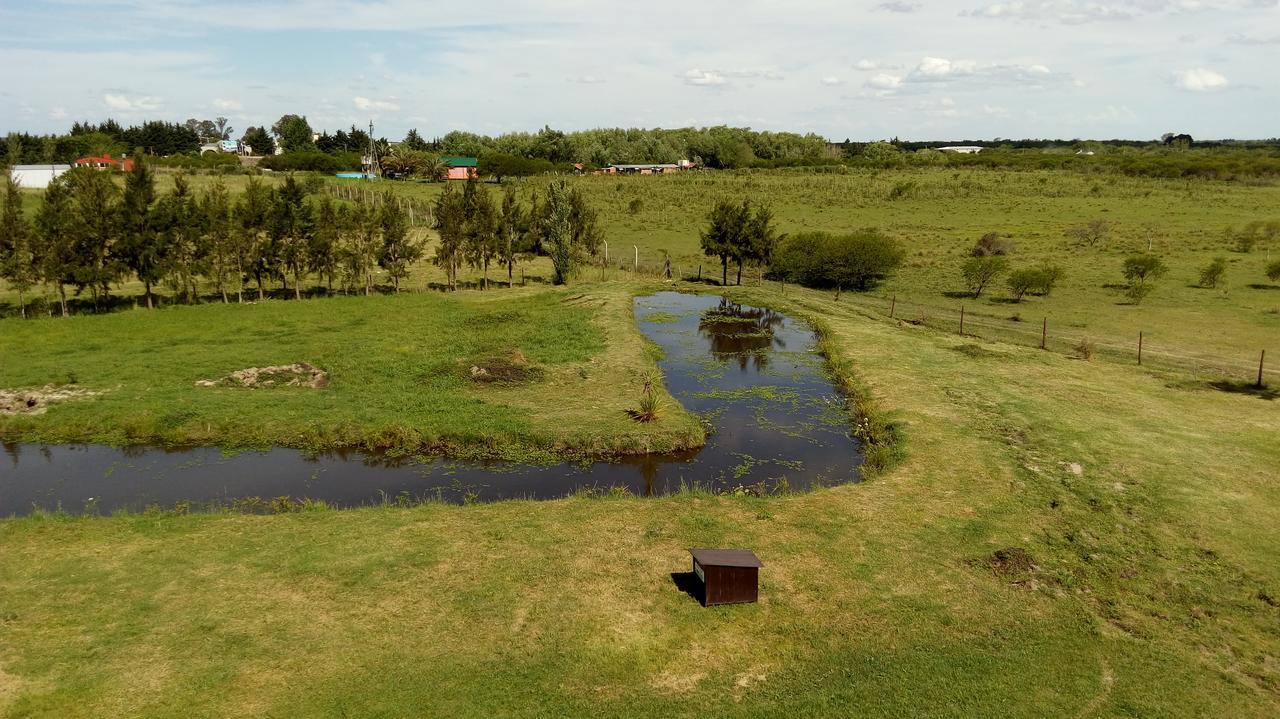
pixel 1140 349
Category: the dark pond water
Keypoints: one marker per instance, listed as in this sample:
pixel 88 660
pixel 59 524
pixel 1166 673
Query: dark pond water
pixel 752 373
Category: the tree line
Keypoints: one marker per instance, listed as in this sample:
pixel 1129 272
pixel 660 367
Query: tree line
pixel 89 234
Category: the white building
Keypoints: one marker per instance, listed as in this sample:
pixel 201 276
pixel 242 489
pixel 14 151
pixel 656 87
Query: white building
pixel 962 149
pixel 36 176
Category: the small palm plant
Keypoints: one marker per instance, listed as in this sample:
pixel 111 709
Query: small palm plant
pixel 650 403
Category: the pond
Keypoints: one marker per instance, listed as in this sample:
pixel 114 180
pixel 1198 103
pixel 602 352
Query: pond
pixel 754 374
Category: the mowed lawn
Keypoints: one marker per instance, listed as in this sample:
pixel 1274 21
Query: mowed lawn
pixel 399 367
pixel 1139 513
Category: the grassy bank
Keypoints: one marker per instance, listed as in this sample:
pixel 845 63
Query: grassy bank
pixel 1059 538
pixel 400 375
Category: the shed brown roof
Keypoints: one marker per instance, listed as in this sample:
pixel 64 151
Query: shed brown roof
pixel 725 557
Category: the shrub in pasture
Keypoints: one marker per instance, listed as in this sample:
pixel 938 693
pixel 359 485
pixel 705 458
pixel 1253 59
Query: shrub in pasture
pixel 1085 349
pixel 1273 271
pixel 1091 233
pixel 1141 271
pixel 1048 276
pixel 1023 281
pixel 978 272
pixel 1255 233
pixel 992 244
pixel 650 404
pixel 856 261
pixel 1138 269
pixel 1213 272
pixel 635 206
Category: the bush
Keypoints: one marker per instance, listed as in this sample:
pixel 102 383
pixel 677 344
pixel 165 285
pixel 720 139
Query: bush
pixel 1085 349
pixel 1049 275
pixel 1273 271
pixel 978 272
pixel 1023 281
pixel 991 245
pixel 1090 233
pixel 207 161
pixel 856 261
pixel 1213 272
pixel 1140 268
pixel 311 162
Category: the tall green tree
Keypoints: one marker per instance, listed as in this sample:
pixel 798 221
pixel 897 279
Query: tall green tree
pixel 259 141
pixel 19 261
pixel 181 230
pixel 568 230
pixel 294 133
pixel 513 232
pixel 291 226
pixel 480 234
pixel 450 223
pixel 761 239
pixel 399 250
pixel 727 235
pixel 97 261
pixel 326 239
pixel 141 246
pixel 55 224
pixel 253 249
pixel 215 208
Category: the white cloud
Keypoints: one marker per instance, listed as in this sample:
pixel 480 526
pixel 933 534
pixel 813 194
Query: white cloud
pixel 222 104
pixel 1250 40
pixel 58 113
pixel 696 76
pixel 899 7
pixel 1200 80
pixel 1076 12
pixel 938 69
pixel 366 104
pixel 866 65
pixel 587 80
pixel 831 80
pixel 885 81
pixel 124 103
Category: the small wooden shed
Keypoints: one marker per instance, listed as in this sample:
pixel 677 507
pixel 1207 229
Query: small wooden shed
pixel 729 576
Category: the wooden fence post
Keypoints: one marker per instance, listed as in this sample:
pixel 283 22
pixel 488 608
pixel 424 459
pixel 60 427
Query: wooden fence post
pixel 1261 360
pixel 1139 348
pixel 962 320
pixel 1044 332
pixel 893 304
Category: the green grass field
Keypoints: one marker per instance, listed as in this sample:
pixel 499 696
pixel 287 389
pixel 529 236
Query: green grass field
pixel 399 368
pixel 1148 586
pixel 939 214
pixel 1058 537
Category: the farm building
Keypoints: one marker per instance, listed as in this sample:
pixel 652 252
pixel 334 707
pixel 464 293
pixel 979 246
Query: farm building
pixel 460 168
pixel 105 162
pixel 652 169
pixel 962 149
pixel 36 176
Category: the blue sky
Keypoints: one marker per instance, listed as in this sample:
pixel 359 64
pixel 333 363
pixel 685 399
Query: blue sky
pixel 918 70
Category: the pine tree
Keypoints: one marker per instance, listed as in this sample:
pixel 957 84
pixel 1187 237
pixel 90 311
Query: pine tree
pixel 19 264
pixel 399 251
pixel 56 227
pixel 140 245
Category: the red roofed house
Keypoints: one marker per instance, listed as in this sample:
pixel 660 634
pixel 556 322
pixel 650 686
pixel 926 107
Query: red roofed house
pixel 105 162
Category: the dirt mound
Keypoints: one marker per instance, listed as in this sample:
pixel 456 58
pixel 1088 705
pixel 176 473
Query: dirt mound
pixel 511 368
pixel 1010 561
pixel 36 401
pixel 298 374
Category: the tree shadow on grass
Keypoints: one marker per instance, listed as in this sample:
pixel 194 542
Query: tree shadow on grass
pixel 689 583
pixel 959 295
pixel 1257 286
pixel 1249 388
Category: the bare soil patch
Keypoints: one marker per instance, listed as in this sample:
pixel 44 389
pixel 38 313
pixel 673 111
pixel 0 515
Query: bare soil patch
pixel 511 368
pixel 37 401
pixel 298 374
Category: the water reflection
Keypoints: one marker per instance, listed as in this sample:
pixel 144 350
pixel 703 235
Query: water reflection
pixel 742 334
